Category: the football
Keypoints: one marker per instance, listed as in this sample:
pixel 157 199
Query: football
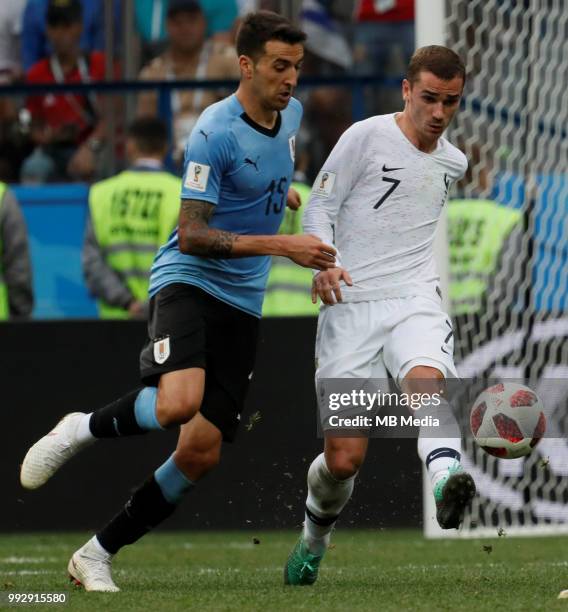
pixel 507 420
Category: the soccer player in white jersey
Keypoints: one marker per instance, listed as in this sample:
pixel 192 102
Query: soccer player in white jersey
pixel 377 199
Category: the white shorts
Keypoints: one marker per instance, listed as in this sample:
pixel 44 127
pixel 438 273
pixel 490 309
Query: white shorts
pixel 365 339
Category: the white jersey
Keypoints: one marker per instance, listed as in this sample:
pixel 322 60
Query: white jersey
pixel 377 199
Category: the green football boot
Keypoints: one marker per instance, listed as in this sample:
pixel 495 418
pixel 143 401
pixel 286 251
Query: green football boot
pixel 302 566
pixel 453 493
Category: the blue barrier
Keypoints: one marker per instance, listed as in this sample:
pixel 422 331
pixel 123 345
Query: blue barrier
pixel 355 84
pixel 55 216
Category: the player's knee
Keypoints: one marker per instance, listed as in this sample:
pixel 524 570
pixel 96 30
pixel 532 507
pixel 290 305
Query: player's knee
pixel 423 379
pixel 196 462
pixel 177 410
pixel 344 464
pixel 423 373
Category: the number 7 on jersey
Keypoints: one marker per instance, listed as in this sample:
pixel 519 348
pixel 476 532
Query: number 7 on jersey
pixel 395 184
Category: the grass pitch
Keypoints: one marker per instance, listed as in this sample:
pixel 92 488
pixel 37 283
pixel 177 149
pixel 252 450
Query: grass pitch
pixel 364 570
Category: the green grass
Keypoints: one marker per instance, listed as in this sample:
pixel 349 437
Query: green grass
pixel 364 570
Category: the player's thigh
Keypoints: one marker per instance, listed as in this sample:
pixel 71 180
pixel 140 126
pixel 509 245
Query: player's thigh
pixel 199 447
pixel 348 342
pixel 423 337
pixel 344 456
pixel 174 356
pixel 231 353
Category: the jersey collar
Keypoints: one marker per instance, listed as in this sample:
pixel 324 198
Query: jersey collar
pixel 272 132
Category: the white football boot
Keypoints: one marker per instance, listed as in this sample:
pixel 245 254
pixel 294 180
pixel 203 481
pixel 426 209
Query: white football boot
pixel 49 453
pixel 90 567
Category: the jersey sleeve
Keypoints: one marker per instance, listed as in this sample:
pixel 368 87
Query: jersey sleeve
pixel 207 159
pixel 460 164
pixel 463 166
pixel 298 109
pixel 332 186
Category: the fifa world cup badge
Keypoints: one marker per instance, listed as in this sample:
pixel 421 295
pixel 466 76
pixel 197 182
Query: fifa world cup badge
pixel 161 350
pixel 197 176
pixel 324 183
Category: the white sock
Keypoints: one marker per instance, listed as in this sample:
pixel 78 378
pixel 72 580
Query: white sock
pixel 439 454
pixel 97 548
pixel 316 538
pixel 83 432
pixel 327 497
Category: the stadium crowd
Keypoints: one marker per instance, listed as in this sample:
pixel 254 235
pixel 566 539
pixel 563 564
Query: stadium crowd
pixel 48 138
pixel 85 137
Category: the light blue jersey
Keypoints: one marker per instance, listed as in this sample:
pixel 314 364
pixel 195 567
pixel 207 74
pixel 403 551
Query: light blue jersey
pixel 245 170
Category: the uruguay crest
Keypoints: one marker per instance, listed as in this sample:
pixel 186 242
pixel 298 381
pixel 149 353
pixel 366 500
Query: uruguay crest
pixel 161 350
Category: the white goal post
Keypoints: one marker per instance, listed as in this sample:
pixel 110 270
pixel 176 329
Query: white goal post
pixel 513 127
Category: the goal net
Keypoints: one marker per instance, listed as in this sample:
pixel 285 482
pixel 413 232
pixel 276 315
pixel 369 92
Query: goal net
pixel 513 128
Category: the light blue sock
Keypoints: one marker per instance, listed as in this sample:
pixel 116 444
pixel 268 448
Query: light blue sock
pixel 145 409
pixel 172 481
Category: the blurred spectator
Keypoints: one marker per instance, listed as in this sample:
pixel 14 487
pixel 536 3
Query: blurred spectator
pixel 15 145
pixel 247 6
pixel 382 26
pixel 384 43
pixel 478 231
pixel 325 23
pixel 251 6
pixel 327 109
pixel 150 17
pixel 35 43
pixel 10 30
pixel 131 216
pixel 66 128
pixel 188 56
pixel 12 147
pixel 16 294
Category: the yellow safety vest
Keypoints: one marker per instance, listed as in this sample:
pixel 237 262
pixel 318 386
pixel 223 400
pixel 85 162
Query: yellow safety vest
pixel 477 231
pixel 133 214
pixel 4 307
pixel 288 290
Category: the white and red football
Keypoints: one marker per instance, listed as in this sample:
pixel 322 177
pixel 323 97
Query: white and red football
pixel 507 420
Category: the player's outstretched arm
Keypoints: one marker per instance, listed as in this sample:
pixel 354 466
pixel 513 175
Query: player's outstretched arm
pixel 195 237
pixel 326 285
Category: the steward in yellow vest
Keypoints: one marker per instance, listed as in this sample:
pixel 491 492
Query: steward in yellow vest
pixel 289 287
pixel 130 216
pixel 477 231
pixel 16 293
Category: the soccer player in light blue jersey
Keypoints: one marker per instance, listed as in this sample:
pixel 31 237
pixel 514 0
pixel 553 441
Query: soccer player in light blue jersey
pixel 206 290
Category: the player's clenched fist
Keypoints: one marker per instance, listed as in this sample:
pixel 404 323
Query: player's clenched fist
pixel 309 251
pixel 326 285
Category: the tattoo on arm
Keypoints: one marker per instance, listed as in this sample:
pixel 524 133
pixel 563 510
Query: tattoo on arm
pixel 195 235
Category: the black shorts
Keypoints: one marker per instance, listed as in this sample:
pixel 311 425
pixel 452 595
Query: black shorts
pixel 188 328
